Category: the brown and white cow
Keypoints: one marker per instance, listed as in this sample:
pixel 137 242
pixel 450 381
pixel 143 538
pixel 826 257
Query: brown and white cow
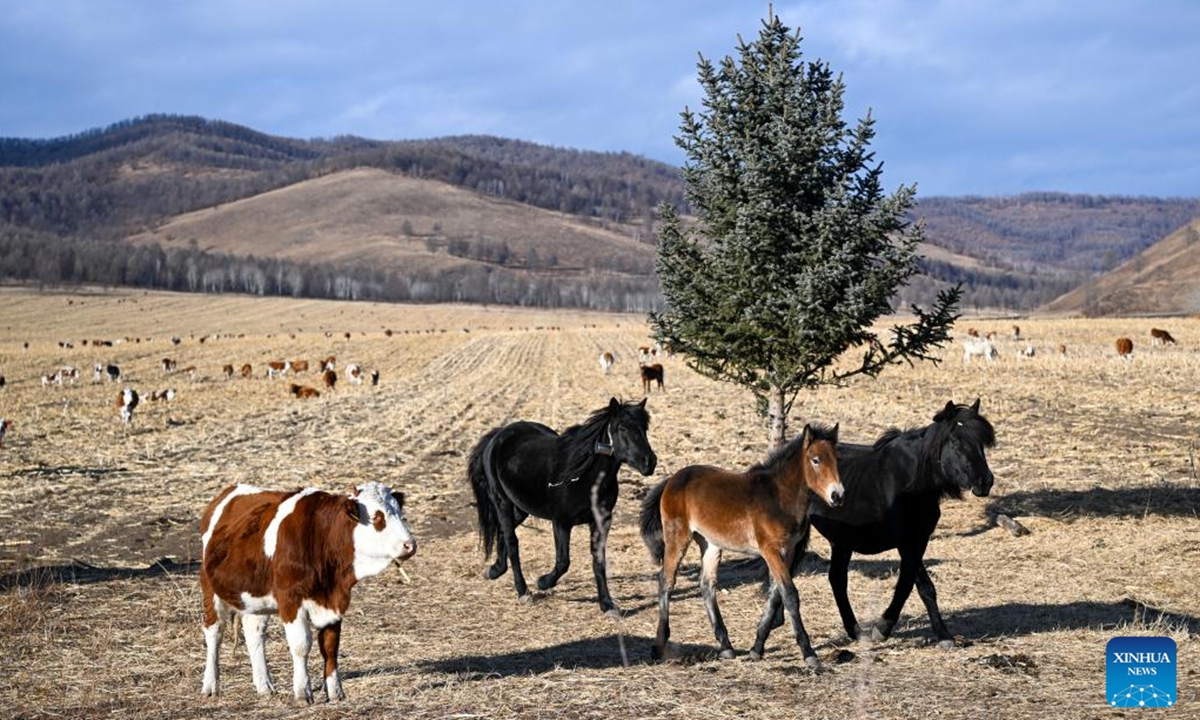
pixel 5 424
pixel 299 366
pixel 227 371
pixel 329 377
pixel 169 365
pixel 1124 347
pixel 296 554
pixel 128 402
pixel 247 369
pixel 354 373
pixel 329 363
pixel 606 362
pixel 374 378
pixel 278 368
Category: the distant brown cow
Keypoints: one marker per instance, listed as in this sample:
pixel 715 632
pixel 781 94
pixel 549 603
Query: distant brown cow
pixel 299 366
pixel 329 363
pixel 247 369
pixel 329 377
pixel 1161 337
pixel 278 368
pixel 1062 349
pixel 651 373
pixel 169 365
pixel 304 392
pixel 227 371
pixel 972 332
pixel 1124 347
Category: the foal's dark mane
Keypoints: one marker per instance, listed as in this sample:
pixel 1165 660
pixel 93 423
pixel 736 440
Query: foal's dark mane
pixel 581 439
pixel 971 427
pixel 786 454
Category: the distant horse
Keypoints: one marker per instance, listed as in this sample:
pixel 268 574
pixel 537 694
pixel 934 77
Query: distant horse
pixel 1161 337
pixel 651 373
pixel 979 348
pixel 893 495
pixel 762 511
pixel 606 362
pixel 527 469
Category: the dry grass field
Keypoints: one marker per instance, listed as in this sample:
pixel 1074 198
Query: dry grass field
pixel 100 606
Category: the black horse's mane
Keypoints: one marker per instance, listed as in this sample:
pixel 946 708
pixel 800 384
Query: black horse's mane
pixel 786 454
pixel 582 438
pixel 972 428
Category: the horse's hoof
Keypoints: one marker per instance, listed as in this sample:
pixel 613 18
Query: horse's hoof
pixel 813 662
pixel 493 573
pixel 546 582
pixel 727 654
pixel 947 644
pixel 525 599
pixel 755 655
pixel 613 612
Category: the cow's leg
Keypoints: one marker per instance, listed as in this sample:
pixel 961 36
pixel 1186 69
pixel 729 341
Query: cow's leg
pixel 708 590
pixel 299 637
pixel 562 556
pixel 216 614
pixel 254 629
pixel 329 637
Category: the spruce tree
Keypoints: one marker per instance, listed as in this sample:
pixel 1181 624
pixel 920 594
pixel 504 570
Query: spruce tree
pixel 797 250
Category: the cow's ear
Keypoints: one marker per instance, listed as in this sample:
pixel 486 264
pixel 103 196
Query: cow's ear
pixel 399 498
pixel 353 491
pixel 352 510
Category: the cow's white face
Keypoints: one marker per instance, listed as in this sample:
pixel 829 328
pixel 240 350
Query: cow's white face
pixel 382 536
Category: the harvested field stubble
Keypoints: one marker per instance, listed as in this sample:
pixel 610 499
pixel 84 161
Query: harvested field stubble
pixel 99 605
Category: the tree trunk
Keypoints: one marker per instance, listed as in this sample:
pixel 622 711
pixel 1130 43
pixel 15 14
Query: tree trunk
pixel 776 419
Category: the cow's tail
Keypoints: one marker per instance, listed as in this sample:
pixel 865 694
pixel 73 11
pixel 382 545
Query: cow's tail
pixel 478 470
pixel 651 521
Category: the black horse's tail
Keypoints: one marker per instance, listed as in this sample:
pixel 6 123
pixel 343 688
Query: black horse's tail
pixel 652 527
pixel 477 473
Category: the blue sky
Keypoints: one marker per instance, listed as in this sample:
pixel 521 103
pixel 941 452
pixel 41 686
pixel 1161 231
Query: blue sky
pixel 970 96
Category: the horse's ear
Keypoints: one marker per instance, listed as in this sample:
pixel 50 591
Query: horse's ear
pixel 642 404
pixel 975 407
pixel 949 407
pixel 834 434
pixel 614 404
pixel 806 436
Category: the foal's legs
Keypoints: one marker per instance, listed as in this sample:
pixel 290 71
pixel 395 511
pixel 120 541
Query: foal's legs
pixel 676 539
pixel 562 556
pixel 929 596
pixel 778 564
pixel 708 590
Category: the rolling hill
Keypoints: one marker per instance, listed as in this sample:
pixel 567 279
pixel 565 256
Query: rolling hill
pixel 1163 279
pixel 434 219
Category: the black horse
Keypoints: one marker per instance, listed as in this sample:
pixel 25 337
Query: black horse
pixel 527 469
pixel 893 491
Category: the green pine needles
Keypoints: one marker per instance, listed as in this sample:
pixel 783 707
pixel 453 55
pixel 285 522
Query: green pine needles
pixel 798 250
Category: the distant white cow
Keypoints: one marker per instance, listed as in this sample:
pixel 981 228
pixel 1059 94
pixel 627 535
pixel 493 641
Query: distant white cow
pixel 979 347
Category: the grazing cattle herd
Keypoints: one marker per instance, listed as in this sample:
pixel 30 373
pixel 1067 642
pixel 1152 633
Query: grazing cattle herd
pixel 299 553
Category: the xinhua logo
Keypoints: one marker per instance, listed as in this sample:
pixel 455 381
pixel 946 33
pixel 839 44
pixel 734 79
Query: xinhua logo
pixel 1141 672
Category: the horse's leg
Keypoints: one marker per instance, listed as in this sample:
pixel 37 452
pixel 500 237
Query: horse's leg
pixel 778 563
pixel 839 570
pixel 708 590
pixel 676 538
pixel 928 595
pixel 771 619
pixel 499 567
pixel 600 561
pixel 910 560
pixel 562 556
pixel 507 515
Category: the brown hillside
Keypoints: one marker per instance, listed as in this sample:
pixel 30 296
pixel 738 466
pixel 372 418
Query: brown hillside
pixel 1164 279
pixel 374 217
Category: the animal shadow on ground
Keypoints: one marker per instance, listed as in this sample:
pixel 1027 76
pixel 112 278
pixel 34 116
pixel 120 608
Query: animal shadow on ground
pixel 1031 618
pixel 80 573
pixel 590 654
pixel 1162 500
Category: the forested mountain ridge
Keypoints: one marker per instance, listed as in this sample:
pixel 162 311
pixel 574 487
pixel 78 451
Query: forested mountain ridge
pixel 136 177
